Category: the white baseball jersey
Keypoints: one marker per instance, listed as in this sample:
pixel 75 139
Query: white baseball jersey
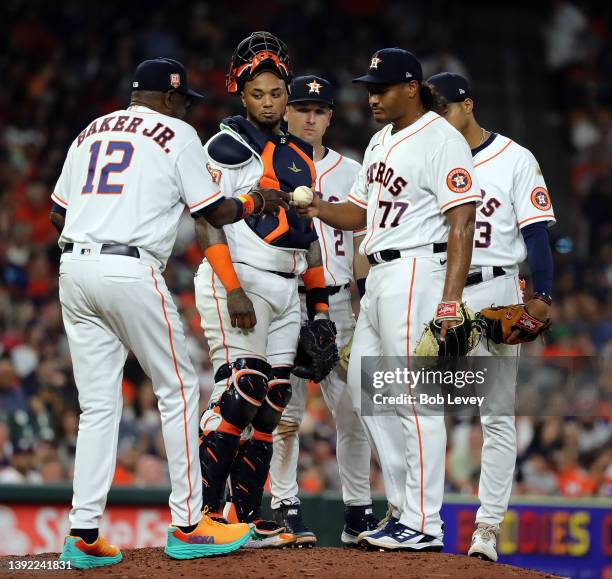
pixel 128 177
pixel 335 176
pixel 244 244
pixel 514 195
pixel 409 179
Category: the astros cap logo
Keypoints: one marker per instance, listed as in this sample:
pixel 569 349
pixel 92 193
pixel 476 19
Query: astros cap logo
pixel 375 62
pixel 314 87
pixel 175 80
pixel 459 180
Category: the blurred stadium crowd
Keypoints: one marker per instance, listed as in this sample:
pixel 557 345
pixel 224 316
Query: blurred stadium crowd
pixel 64 64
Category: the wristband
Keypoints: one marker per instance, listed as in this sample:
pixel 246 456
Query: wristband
pixel 317 294
pixel 547 299
pixel 220 260
pixel 247 205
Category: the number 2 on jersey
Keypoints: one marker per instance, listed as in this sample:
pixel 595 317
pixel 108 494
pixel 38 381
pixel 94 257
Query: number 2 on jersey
pixel 104 187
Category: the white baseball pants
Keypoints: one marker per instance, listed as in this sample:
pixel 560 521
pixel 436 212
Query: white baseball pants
pixel 112 304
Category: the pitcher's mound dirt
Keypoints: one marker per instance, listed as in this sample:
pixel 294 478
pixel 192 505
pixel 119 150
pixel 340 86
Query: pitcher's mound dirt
pixel 319 563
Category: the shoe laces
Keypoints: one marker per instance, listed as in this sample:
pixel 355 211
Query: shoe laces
pixel 487 532
pixel 210 520
pixel 289 504
pixel 383 522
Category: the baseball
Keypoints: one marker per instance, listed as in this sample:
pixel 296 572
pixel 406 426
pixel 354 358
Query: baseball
pixel 302 196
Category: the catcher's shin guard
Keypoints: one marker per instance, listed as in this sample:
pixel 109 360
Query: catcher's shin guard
pixel 222 425
pixel 252 465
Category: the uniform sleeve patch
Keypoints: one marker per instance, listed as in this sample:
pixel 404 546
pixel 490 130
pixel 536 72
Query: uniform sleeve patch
pixel 459 180
pixel 540 199
pixel 214 173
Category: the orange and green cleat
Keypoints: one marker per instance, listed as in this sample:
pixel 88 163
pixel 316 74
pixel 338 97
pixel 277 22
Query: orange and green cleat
pixel 209 538
pixel 82 555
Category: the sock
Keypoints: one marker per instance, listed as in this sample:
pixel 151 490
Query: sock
pixel 88 535
pixel 188 529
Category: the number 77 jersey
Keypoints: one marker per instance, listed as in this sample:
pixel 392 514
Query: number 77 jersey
pixel 409 179
pixel 514 195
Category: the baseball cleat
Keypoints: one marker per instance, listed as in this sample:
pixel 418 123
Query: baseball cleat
pixel 210 537
pixel 357 520
pixel 402 538
pixel 82 555
pixel 484 542
pixel 290 516
pixel 387 523
pixel 269 535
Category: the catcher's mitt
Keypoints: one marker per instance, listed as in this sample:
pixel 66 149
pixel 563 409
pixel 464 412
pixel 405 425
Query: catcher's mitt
pixel 317 352
pixel 501 321
pixel 459 340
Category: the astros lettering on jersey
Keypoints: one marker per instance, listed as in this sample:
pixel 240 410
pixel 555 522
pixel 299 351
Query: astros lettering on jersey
pixel 409 179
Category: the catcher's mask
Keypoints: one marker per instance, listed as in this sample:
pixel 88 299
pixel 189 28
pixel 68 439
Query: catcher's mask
pixel 257 53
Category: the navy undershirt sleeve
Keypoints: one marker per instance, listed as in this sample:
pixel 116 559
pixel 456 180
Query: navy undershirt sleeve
pixel 539 256
pixel 57 208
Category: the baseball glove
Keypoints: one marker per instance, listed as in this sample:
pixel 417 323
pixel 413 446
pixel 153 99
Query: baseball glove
pixel 501 321
pixel 317 352
pixel 459 340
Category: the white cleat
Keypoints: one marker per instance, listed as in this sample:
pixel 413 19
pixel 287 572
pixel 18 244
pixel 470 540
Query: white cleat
pixel 484 542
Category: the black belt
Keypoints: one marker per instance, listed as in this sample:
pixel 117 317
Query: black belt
pixel 392 254
pixel 475 278
pixel 333 289
pixel 110 249
pixel 281 273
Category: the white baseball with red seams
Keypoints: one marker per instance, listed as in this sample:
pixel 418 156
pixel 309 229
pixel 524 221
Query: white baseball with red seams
pixel 126 180
pixel 409 180
pixel 335 176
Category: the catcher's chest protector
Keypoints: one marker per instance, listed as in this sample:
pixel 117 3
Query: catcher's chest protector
pixel 287 164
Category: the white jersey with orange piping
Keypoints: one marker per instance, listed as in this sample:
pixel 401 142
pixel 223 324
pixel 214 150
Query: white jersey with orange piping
pixel 409 179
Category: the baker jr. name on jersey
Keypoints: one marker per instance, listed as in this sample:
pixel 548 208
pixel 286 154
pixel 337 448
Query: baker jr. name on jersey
pixel 160 133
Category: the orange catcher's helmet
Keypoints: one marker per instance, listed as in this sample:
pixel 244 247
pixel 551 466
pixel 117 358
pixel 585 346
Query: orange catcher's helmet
pixel 257 53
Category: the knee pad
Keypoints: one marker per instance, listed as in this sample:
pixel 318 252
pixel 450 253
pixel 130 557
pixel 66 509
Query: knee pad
pixel 279 394
pixel 240 403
